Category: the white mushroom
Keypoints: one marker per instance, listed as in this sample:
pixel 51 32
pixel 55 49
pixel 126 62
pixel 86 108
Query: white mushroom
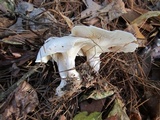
pixel 92 41
pixel 63 50
pixel 104 41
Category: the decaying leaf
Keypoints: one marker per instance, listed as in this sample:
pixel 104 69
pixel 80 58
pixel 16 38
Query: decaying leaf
pixel 130 15
pixel 68 21
pixel 92 9
pixel 140 37
pixel 143 18
pixel 108 11
pixel 5 22
pixel 119 110
pixel 7 6
pixel 24 7
pixel 31 17
pixel 85 116
pixel 135 115
pixel 24 100
pixel 92 105
pixel 100 94
pixel 20 38
pixel 62 117
pixel 153 104
pixel 114 9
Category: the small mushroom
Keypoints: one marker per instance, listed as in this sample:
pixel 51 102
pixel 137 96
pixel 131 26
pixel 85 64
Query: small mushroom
pixel 104 41
pixel 63 51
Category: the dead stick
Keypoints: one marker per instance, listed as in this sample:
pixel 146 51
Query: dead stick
pixel 3 95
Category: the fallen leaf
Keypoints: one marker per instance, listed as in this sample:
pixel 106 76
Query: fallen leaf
pixel 24 100
pixel 7 6
pixel 68 21
pixel 81 116
pixel 16 52
pixel 131 3
pixel 20 38
pixel 142 41
pixel 93 105
pixel 114 9
pixel 130 15
pixel 135 115
pixel 24 7
pixel 108 12
pixel 100 94
pixel 119 110
pixel 85 116
pixel 62 117
pixel 24 58
pixel 152 106
pixel 92 8
pixel 136 31
pixel 143 18
pixel 38 2
pixel 5 22
pixel 113 118
pixel 15 70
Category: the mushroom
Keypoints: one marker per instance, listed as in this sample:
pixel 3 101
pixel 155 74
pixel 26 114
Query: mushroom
pixel 104 41
pixel 91 41
pixel 63 51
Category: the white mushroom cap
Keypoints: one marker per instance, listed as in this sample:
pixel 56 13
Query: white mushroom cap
pixel 67 45
pixel 104 41
pixel 63 50
pixel 107 40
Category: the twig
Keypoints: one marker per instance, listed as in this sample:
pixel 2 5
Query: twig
pixel 3 95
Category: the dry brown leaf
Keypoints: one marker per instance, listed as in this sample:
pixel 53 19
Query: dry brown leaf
pixel 143 18
pixel 92 9
pixel 24 101
pixel 95 105
pixel 113 118
pixel 111 10
pixel 153 104
pixel 62 117
pixel 38 2
pixel 135 115
pixel 114 9
pixel 15 70
pixel 142 41
pixel 20 38
pixel 138 34
pixel 130 3
pixel 5 22
pixel 68 21
pixel 130 15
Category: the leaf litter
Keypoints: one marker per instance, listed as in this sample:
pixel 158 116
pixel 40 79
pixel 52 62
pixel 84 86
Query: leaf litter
pixel 127 86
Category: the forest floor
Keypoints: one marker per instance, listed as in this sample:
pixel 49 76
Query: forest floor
pixel 127 86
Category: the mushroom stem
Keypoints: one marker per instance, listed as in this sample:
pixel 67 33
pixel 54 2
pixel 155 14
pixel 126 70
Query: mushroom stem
pixel 93 59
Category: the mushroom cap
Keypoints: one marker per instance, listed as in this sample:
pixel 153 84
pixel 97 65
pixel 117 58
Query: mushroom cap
pixel 94 33
pixel 107 41
pixel 55 45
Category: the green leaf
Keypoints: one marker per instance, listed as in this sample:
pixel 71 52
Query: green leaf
pixel 100 94
pixel 118 110
pixel 92 116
